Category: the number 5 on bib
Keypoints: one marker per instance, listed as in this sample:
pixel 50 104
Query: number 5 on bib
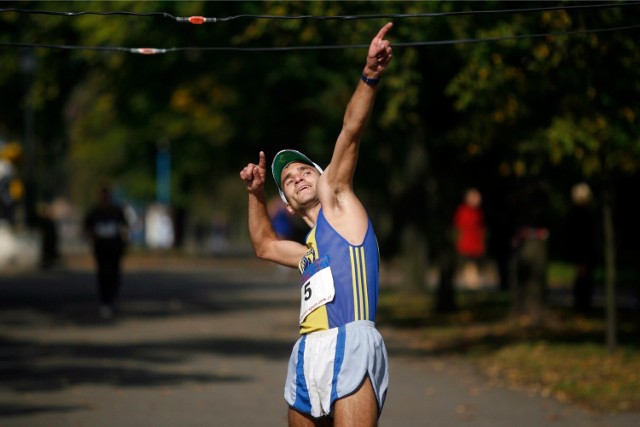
pixel 317 287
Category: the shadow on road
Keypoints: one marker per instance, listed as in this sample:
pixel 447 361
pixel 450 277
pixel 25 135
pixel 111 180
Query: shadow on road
pixel 167 322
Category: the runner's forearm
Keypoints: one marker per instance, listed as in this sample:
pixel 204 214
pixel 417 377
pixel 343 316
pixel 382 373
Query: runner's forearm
pixel 260 228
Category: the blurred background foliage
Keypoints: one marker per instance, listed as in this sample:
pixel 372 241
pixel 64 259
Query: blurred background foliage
pixel 522 120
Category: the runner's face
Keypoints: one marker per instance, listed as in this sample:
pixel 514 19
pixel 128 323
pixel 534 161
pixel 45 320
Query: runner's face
pixel 299 183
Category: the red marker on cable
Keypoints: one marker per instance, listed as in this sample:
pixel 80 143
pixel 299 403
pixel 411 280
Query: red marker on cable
pixel 197 20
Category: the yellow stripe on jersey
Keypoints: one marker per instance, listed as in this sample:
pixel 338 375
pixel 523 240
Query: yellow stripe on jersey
pixel 354 284
pixel 365 287
pixel 359 283
pixel 359 279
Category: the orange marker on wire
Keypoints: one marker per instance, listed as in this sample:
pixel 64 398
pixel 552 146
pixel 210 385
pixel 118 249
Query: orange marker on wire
pixel 197 20
pixel 147 50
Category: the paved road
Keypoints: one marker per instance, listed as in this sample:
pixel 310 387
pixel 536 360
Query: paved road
pixel 206 344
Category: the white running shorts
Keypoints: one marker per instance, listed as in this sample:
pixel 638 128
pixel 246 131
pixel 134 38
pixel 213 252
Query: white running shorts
pixel 327 365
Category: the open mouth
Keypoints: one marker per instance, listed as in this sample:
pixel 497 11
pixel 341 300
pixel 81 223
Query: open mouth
pixel 304 187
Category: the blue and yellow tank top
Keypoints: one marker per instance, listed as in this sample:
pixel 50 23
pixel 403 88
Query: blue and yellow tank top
pixel 355 271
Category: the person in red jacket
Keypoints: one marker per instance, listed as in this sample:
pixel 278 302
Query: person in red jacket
pixel 470 230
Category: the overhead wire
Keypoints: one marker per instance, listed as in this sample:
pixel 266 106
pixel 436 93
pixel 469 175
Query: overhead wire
pixel 203 19
pixel 200 20
pixel 153 51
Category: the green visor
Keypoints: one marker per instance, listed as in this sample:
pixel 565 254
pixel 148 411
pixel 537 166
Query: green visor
pixel 282 160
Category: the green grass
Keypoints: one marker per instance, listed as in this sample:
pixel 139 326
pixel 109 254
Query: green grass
pixel 566 359
pixel 583 373
pixel 561 274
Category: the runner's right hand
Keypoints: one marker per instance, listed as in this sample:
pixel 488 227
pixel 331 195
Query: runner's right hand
pixel 254 175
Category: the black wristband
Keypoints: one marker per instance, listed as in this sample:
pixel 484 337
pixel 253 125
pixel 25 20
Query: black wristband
pixel 369 81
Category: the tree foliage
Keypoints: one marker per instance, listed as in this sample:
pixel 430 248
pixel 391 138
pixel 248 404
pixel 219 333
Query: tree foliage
pixel 524 116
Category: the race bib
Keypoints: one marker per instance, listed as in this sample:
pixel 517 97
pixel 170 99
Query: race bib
pixel 317 287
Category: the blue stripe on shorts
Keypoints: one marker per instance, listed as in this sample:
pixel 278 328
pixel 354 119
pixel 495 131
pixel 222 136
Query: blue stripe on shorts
pixel 338 362
pixel 303 403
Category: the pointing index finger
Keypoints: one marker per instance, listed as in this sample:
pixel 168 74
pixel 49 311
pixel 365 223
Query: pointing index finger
pixel 383 30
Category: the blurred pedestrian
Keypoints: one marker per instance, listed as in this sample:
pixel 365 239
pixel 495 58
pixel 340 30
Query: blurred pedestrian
pixel 470 230
pixel 501 220
pixel 581 229
pixel 49 253
pixel 282 223
pixel 107 228
pixel 281 219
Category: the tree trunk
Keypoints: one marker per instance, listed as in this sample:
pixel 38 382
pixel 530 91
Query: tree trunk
pixel 530 290
pixel 610 273
pixel 446 293
pixel 414 258
pixel 609 252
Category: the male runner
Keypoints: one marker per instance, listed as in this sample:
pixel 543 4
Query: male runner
pixel 338 370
